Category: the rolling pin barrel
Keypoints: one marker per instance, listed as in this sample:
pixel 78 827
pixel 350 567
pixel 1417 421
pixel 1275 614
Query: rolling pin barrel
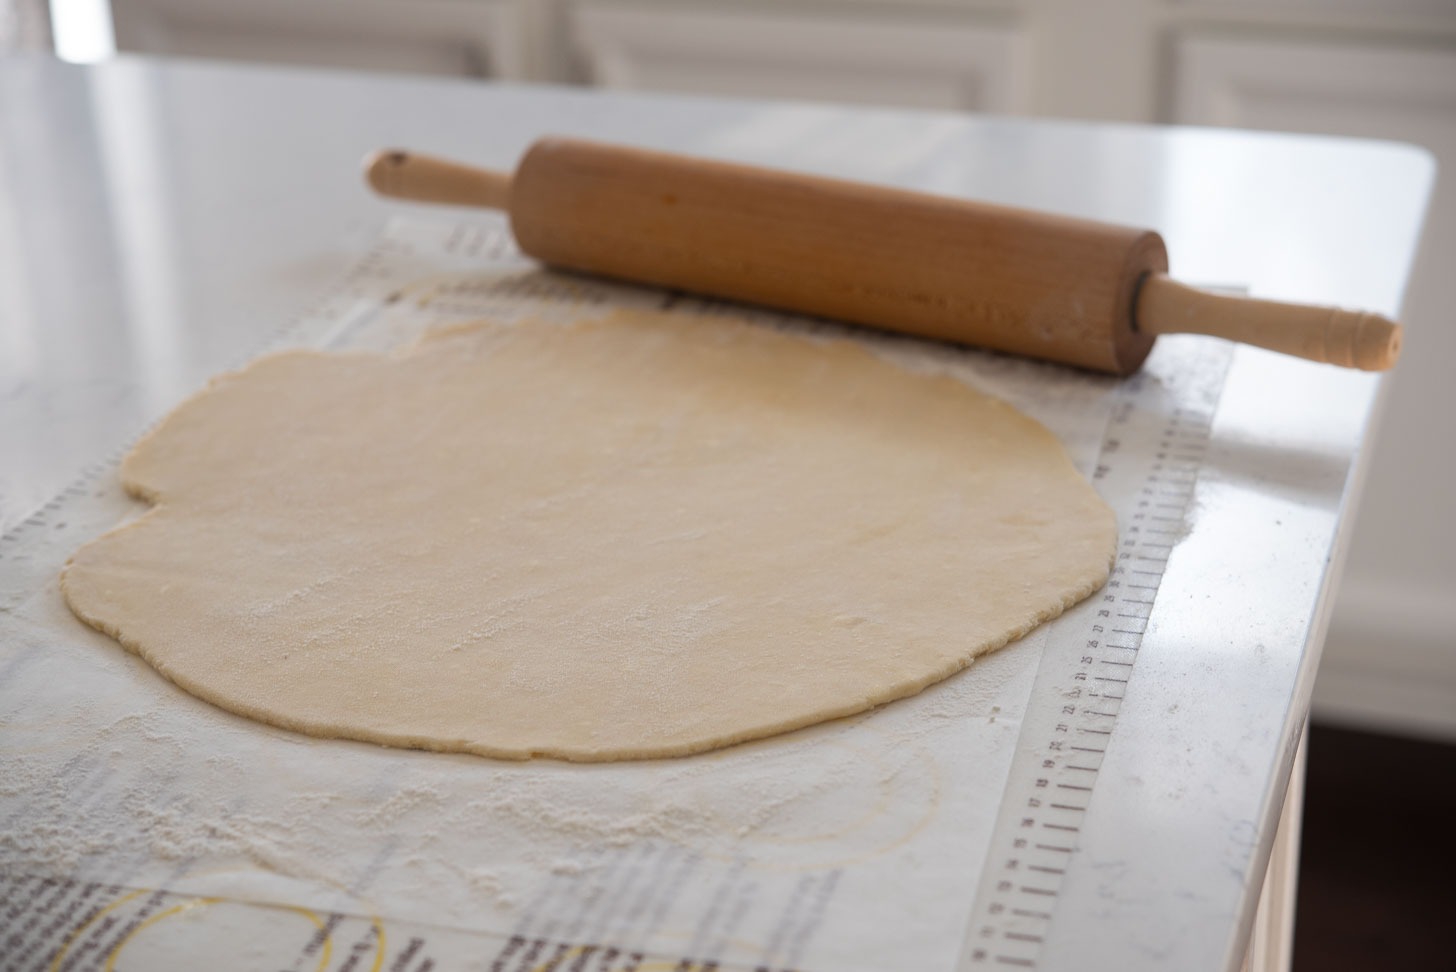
pixel 1034 284
pixel 1044 286
pixel 1082 293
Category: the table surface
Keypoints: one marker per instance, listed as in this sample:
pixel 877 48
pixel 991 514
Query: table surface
pixel 158 218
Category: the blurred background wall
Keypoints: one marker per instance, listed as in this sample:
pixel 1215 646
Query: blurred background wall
pixel 1379 68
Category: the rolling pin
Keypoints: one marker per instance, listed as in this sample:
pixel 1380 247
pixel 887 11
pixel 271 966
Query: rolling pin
pixel 1052 287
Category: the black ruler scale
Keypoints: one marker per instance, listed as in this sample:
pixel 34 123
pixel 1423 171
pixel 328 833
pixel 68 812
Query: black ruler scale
pixel 1146 470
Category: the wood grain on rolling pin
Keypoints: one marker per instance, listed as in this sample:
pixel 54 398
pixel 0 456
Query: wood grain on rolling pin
pixel 1029 283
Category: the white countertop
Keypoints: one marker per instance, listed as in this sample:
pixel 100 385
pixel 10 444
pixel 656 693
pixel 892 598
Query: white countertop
pixel 159 220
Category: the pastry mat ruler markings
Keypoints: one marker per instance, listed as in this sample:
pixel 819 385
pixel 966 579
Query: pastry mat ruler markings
pixel 1146 470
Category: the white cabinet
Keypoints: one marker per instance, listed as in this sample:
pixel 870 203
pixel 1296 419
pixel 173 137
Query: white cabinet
pixel 1389 658
pixel 905 58
pixel 466 37
pixel 1057 57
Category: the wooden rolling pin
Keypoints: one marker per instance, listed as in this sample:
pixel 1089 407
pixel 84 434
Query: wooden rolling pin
pixel 1051 287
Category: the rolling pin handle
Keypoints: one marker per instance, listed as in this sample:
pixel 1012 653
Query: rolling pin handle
pixel 1351 339
pixel 423 178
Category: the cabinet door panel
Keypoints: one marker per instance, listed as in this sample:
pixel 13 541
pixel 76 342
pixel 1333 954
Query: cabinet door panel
pixel 911 60
pixel 461 37
pixel 1317 10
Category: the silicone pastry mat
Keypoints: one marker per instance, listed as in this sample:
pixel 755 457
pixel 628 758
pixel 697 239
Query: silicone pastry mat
pixel 143 829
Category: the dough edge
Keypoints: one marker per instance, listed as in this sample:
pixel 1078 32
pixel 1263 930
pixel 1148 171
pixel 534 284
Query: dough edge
pixel 321 730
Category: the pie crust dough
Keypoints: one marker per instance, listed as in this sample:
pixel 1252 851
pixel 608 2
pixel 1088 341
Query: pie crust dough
pixel 649 535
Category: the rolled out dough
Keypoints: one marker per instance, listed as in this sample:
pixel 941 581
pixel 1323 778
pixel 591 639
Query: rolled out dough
pixel 644 536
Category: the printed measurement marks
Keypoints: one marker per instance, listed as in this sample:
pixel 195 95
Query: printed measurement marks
pixel 1147 469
